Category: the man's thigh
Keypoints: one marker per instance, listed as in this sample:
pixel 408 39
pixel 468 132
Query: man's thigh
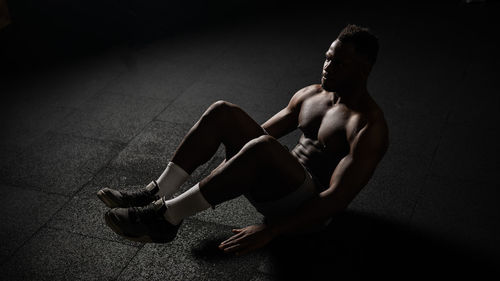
pixel 280 173
pixel 276 209
pixel 240 128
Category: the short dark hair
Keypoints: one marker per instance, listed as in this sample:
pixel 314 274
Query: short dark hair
pixel 365 43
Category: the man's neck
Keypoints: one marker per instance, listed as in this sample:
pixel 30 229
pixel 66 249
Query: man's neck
pixel 352 98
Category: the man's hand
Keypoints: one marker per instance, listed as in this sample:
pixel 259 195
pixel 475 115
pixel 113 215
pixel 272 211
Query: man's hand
pixel 247 239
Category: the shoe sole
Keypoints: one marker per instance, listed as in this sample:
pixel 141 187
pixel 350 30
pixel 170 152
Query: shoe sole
pixel 117 230
pixel 108 202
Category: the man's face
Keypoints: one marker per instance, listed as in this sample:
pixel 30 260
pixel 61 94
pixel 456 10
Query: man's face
pixel 342 67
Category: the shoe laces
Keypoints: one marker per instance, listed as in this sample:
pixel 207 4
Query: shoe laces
pixel 146 213
pixel 134 194
pixel 142 194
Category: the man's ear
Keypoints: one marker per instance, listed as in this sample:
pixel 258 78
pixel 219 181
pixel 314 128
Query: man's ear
pixel 366 67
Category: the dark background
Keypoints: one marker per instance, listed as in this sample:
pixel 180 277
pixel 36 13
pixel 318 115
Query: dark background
pixel 46 32
pixel 99 93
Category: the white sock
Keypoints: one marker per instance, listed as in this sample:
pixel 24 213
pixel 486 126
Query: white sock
pixel 185 205
pixel 171 179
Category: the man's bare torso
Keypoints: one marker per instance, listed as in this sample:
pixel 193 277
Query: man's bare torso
pixel 328 129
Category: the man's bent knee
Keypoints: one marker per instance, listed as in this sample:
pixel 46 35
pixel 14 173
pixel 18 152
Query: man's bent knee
pixel 219 111
pixel 266 140
pixel 264 144
pixel 221 106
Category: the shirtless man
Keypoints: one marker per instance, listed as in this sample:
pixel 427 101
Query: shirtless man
pixel 344 137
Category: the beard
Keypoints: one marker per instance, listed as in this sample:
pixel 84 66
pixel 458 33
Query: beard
pixel 328 85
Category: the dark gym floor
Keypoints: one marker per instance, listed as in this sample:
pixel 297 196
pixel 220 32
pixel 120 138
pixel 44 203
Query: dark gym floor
pixel 97 97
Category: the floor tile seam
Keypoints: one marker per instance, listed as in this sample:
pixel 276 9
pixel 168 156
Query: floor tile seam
pixel 120 147
pixel 491 126
pixel 125 169
pixel 428 172
pixel 78 107
pixel 26 146
pixel 210 222
pixel 37 189
pixel 138 248
pixel 461 179
pixel 26 241
pixel 132 138
pixel 97 173
pixel 463 77
pixel 123 144
pixel 142 246
pixel 78 190
pixel 115 168
pixel 99 90
pixel 52 106
pixel 447 122
pixel 78 135
pixel 155 118
pixel 108 163
pixel 134 97
pixel 174 123
pixel 277 83
pixel 185 89
pixel 90 236
pixel 101 140
pixel 428 169
pixel 222 53
pixel 104 166
pixel 72 134
pixel 128 263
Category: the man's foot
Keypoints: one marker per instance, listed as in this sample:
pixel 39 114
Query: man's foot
pixel 142 224
pixel 124 199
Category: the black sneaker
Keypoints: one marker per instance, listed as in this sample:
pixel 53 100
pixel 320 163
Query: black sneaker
pixel 142 224
pixel 124 199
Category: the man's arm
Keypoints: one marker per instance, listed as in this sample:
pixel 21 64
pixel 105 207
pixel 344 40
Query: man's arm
pixel 349 177
pixel 286 120
pixel 351 174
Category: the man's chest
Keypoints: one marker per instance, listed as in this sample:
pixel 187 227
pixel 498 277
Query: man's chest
pixel 330 125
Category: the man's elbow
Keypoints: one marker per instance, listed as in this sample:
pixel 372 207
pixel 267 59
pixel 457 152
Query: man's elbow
pixel 335 200
pixel 330 206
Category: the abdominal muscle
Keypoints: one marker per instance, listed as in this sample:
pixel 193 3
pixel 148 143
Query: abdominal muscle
pixel 312 155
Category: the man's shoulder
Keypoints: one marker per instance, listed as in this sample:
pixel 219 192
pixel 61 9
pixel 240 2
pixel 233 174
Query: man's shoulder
pixel 305 93
pixel 370 128
pixel 311 89
pixel 373 115
pixel 374 131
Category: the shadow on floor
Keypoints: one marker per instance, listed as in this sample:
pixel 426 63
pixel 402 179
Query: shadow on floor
pixel 357 246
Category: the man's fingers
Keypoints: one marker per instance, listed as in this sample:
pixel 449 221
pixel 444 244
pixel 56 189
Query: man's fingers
pixel 233 248
pixel 225 244
pixel 232 238
pixel 230 244
pixel 245 240
pixel 240 249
